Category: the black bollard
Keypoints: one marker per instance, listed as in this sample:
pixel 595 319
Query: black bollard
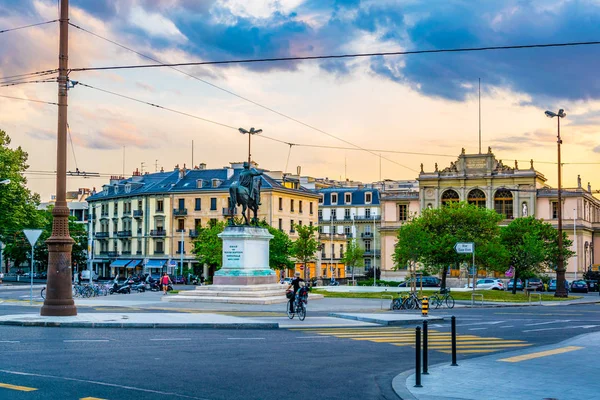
pixel 454 364
pixel 425 356
pixel 418 356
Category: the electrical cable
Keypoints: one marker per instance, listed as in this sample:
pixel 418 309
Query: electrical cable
pixel 28 26
pixel 352 55
pixel 35 101
pixel 231 93
pixel 29 74
pixel 24 82
pixel 72 147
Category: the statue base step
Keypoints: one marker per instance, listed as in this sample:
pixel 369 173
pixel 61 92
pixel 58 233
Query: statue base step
pixel 237 294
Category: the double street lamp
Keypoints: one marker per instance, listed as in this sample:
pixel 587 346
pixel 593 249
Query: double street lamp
pixel 561 291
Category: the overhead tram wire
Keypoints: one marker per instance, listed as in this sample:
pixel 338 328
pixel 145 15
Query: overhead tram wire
pixel 28 26
pixel 25 82
pixel 236 95
pixel 29 74
pixel 339 56
pixel 35 101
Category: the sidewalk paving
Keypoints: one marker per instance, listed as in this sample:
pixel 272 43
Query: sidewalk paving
pixel 564 371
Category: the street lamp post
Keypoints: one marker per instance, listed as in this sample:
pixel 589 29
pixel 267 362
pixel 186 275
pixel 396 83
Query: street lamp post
pixel 59 298
pixel 251 132
pixel 560 268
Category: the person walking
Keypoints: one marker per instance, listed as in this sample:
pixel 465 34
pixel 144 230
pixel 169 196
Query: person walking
pixel 165 280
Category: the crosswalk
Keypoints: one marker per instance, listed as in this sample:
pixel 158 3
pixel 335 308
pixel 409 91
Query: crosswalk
pixel 437 340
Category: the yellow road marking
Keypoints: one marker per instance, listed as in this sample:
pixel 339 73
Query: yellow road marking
pixel 91 398
pixel 541 354
pixel 468 351
pixel 479 345
pixel 15 387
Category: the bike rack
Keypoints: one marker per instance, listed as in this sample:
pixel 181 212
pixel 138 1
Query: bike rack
pixel 473 295
pixel 387 296
pixel 539 295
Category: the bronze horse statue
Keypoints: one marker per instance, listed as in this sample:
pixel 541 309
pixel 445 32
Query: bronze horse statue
pixel 245 192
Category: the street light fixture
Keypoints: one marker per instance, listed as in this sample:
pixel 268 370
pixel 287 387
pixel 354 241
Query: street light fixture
pixel 251 132
pixel 5 182
pixel 560 268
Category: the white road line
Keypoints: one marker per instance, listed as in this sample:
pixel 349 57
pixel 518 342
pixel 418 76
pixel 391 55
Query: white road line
pixel 313 337
pixel 170 339
pixel 436 326
pixel 549 322
pixel 10 341
pixel 85 340
pixel 507 326
pixel 137 389
pixel 483 323
pixel 246 338
pixel 563 327
pixel 476 329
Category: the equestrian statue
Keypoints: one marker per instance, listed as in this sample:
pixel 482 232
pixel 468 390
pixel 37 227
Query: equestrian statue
pixel 245 192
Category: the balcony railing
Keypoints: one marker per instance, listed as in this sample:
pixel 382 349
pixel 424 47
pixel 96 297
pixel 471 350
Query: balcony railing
pixel 335 236
pixel 126 213
pixel 102 235
pixel 159 252
pixel 104 215
pixel 158 233
pixel 179 252
pixel 126 252
pixel 369 218
pixel 160 211
pixel 371 253
pixel 123 234
pixel 138 252
pixel 112 254
pixel 226 211
pixel 193 233
pixel 366 235
pixel 179 212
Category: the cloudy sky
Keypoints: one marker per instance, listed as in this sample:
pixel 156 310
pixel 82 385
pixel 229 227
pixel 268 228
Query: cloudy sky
pixel 413 103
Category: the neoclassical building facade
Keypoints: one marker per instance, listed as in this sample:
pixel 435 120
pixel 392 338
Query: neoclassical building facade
pixel 514 191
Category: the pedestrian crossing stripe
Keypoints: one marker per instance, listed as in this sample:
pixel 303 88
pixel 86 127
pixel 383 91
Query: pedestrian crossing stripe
pixel 437 341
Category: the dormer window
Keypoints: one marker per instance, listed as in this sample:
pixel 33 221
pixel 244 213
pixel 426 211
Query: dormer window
pixel 333 198
pixel 347 198
pixel 368 198
pixel 216 183
pixel 128 188
pixel 116 189
pixel 105 190
pixel 320 199
pixel 199 183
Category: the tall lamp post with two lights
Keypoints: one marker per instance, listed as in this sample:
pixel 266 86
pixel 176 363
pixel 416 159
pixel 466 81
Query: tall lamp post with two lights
pixel 561 290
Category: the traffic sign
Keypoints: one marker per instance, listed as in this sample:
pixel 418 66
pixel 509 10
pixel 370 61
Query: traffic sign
pixel 464 247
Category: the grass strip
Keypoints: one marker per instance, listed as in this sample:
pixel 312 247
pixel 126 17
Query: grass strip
pixel 488 295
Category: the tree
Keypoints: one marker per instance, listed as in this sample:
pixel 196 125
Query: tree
pixel 208 247
pixel 305 247
pixel 17 203
pixel 430 238
pixel 532 245
pixel 353 256
pixel 280 249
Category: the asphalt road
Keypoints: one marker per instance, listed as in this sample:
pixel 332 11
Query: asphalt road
pixel 319 363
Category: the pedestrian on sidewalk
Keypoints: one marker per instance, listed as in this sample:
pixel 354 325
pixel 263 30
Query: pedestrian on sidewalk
pixel 165 280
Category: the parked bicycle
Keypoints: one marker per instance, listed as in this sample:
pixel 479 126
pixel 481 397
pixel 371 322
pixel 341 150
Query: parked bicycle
pixel 408 302
pixel 442 297
pixel 43 293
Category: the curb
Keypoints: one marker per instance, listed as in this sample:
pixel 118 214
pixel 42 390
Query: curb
pixel 386 322
pixel 544 304
pixel 48 324
pixel 16 287
pixel 399 385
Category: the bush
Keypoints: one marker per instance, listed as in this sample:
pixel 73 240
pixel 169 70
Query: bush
pixel 369 273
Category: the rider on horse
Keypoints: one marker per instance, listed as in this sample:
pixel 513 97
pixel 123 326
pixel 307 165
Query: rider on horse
pixel 246 192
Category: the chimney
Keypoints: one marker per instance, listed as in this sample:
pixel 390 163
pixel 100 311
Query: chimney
pixel 589 188
pixel 136 173
pixel 176 168
pixel 202 166
pixel 298 170
pixel 162 169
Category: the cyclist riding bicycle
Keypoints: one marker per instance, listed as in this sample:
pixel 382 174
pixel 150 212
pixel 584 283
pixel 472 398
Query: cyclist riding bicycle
pixel 295 284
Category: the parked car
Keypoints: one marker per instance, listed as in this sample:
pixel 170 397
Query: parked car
pixel 552 285
pixel 592 285
pixel 534 284
pixel 428 281
pixel 43 275
pixel 579 286
pixel 487 284
pixel 511 282
pixel 179 280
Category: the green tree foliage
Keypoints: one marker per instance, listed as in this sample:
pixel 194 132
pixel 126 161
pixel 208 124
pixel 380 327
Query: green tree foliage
pixel 208 247
pixel 353 256
pixel 305 247
pixel 17 203
pixel 280 248
pixel 19 250
pixel 430 238
pixel 532 245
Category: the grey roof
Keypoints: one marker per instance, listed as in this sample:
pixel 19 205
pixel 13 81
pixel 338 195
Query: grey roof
pixel 358 196
pixel 170 182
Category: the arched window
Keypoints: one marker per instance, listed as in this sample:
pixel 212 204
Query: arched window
pixel 503 203
pixel 449 196
pixel 476 197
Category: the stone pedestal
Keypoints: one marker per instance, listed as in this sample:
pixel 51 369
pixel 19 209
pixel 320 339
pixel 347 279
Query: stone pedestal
pixel 245 257
pixel 245 277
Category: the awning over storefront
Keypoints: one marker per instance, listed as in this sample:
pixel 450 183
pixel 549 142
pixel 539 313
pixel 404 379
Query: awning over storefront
pixel 119 263
pixel 155 263
pixel 134 263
